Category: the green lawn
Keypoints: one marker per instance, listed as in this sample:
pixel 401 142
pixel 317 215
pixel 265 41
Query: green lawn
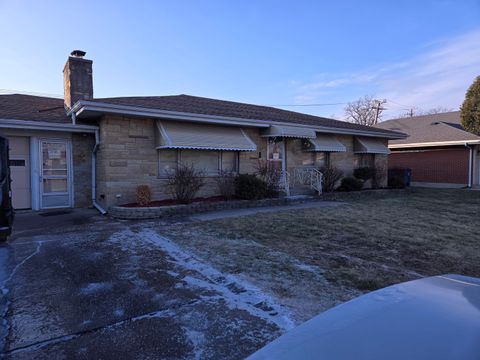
pixel 363 245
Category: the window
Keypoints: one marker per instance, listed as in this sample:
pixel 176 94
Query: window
pixel 229 161
pixel 208 162
pixel 204 161
pixel 167 161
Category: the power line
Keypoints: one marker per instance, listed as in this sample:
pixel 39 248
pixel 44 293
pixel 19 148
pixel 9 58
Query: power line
pixel 319 104
pixel 10 91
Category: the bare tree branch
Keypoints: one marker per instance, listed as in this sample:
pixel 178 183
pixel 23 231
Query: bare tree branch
pixel 364 111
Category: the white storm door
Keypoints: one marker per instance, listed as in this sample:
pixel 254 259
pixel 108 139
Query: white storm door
pixel 55 174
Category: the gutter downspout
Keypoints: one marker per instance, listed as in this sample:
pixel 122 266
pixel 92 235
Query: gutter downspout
pixel 94 175
pixel 470 165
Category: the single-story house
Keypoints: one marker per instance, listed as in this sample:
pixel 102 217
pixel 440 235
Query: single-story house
pixel 440 152
pixel 82 150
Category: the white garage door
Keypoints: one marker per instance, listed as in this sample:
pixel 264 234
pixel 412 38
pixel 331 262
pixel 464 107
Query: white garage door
pixel 20 171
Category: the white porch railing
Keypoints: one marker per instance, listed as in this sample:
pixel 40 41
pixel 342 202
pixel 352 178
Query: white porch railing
pixel 307 176
pixel 284 183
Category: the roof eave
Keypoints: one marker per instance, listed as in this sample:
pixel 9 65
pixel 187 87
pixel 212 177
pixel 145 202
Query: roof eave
pixel 435 143
pixel 85 106
pixel 45 126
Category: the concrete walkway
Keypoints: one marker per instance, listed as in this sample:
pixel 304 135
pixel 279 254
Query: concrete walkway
pixel 250 211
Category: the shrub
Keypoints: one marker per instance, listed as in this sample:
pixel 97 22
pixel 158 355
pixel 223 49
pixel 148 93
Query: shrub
pixel 250 187
pixel 331 175
pixel 351 184
pixel 184 183
pixel 364 173
pixel 270 175
pixel 226 184
pixel 143 195
pixel 396 182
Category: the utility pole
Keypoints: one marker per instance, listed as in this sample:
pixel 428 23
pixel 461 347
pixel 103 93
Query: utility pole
pixel 378 107
pixel 410 112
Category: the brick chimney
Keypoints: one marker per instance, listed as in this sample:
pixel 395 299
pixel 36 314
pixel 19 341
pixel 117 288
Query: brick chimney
pixel 77 79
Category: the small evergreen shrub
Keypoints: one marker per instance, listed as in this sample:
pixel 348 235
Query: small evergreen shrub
pixel 364 173
pixel 351 184
pixel 250 187
pixel 143 195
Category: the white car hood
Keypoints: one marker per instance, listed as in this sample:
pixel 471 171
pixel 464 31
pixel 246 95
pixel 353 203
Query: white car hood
pixel 433 318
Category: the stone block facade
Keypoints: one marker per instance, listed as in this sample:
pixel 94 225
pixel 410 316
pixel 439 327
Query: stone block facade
pixel 82 147
pixel 127 158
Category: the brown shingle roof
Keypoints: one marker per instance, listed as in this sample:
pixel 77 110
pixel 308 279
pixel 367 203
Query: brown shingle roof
pixel 39 108
pixel 207 106
pixel 34 108
pixel 429 128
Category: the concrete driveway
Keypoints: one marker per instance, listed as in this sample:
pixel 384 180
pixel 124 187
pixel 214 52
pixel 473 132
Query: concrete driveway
pixel 80 285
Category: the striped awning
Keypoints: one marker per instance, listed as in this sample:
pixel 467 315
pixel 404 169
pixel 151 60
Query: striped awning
pixel 289 131
pixel 324 143
pixel 180 135
pixel 364 145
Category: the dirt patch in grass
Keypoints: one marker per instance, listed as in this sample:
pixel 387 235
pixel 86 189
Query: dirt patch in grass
pixel 361 246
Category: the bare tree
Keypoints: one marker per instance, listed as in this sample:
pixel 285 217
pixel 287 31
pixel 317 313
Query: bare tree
pixel 419 112
pixel 364 111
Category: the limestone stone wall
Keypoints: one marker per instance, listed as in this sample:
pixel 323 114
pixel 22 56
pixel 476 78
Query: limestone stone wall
pixel 82 147
pixel 249 159
pixel 344 161
pixel 127 158
pixel 381 164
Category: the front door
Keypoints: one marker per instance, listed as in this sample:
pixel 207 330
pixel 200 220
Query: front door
pixel 276 153
pixel 55 174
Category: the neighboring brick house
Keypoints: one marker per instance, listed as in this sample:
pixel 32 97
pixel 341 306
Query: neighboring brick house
pixel 438 150
pixel 82 150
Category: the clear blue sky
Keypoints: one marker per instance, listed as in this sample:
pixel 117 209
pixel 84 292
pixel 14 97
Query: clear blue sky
pixel 413 53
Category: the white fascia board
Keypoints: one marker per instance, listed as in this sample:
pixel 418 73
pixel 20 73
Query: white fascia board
pixel 85 105
pixel 431 144
pixel 45 126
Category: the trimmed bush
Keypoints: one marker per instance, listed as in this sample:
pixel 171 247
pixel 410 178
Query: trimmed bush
pixel 143 195
pixel 331 175
pixel 250 187
pixel 396 182
pixel 184 183
pixel 351 184
pixel 364 173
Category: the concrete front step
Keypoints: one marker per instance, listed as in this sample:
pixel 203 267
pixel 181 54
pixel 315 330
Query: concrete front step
pixel 302 190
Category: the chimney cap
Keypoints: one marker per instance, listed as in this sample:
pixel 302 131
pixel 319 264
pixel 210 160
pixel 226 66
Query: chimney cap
pixel 78 53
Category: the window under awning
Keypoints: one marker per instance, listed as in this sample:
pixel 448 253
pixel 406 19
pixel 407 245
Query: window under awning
pixel 369 146
pixel 289 131
pixel 179 135
pixel 324 143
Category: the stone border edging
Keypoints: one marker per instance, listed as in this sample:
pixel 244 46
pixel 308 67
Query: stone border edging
pixel 137 213
pixel 121 212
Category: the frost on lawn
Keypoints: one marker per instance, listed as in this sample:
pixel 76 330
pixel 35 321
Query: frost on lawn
pixel 234 292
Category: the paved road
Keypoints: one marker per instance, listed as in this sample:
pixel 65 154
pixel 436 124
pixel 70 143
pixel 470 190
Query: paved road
pixel 81 285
